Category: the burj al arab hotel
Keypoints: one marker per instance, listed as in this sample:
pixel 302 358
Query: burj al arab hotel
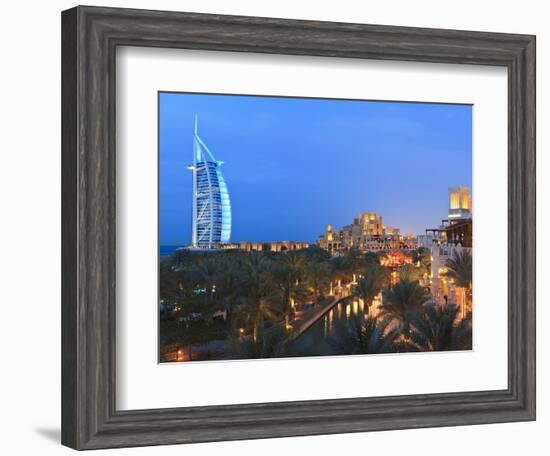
pixel 211 205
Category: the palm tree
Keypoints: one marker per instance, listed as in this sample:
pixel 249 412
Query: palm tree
pixel 403 301
pixel 459 268
pixel 203 272
pixel 439 329
pixel 171 284
pixel 270 344
pixel 423 258
pixel 261 293
pixel 409 272
pixel 181 257
pixel 374 279
pixel 318 277
pixel 363 336
pixel 340 267
pixel 185 283
pixel 371 258
pixel 288 272
pixel 356 261
pixel 218 279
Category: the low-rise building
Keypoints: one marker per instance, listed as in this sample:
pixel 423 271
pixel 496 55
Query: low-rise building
pixel 278 246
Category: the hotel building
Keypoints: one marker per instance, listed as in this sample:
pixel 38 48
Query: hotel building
pixel 456 229
pixel 453 236
pixel 366 233
pixel 211 225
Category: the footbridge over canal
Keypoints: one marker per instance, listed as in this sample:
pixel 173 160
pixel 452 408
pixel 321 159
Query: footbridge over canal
pixel 314 316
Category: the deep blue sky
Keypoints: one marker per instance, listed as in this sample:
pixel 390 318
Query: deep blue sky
pixel 293 165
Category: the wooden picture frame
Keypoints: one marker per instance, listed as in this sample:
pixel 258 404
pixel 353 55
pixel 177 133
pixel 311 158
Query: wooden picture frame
pixel 90 36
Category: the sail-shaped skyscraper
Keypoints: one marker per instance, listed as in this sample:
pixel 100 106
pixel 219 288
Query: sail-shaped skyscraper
pixel 211 205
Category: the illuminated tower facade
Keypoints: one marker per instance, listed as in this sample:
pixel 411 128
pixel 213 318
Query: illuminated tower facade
pixel 211 205
pixel 460 203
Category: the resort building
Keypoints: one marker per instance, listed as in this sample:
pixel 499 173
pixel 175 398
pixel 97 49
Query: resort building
pixel 426 240
pixel 211 225
pixel 453 236
pixel 279 246
pixel 366 233
pixel 368 223
pixel 456 229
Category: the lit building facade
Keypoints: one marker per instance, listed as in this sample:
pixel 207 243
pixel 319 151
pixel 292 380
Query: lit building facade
pixel 211 225
pixel 278 246
pixel 460 203
pixel 368 223
pixel 366 233
pixel 457 228
pixel 453 236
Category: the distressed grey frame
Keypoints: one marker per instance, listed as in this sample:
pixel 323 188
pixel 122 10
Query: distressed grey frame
pixel 90 36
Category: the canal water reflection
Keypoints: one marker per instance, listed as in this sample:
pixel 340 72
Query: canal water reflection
pixel 322 337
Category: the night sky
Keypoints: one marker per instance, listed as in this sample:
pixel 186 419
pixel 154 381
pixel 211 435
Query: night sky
pixel 293 165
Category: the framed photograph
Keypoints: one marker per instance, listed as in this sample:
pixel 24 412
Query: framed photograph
pixel 280 228
pixel 251 265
